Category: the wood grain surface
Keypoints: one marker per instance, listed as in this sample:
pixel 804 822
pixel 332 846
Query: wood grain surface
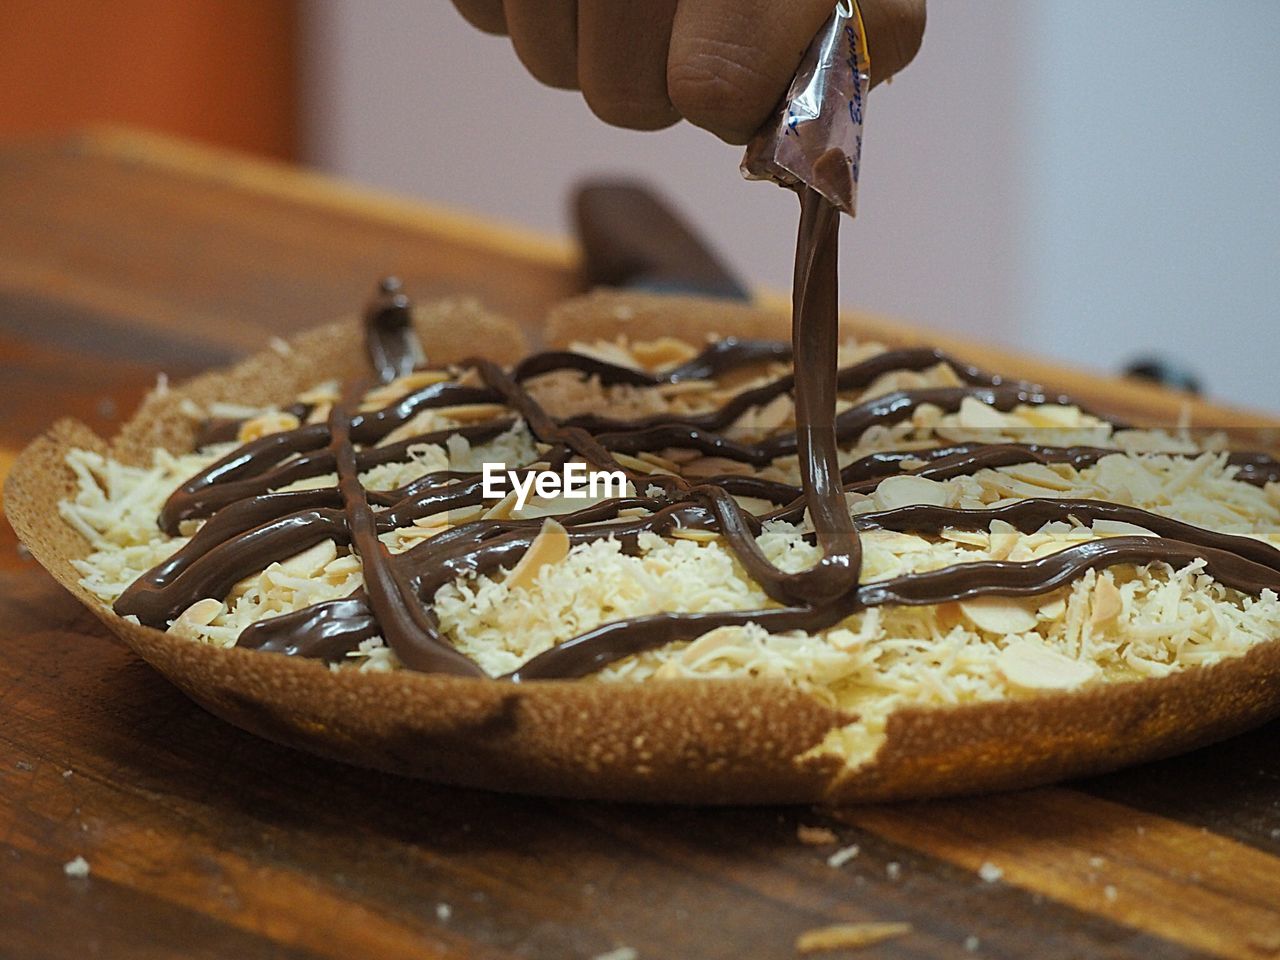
pixel 126 256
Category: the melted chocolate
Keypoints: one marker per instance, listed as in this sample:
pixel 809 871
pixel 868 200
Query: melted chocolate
pixel 251 523
pixel 389 338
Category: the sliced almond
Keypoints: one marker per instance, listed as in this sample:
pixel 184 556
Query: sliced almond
pixel 715 466
pixel 311 561
pixel 696 534
pixel 941 375
pixel 403 386
pixel 472 412
pixel 926 416
pixel 1038 475
pixel 550 546
pixel 662 352
pixel 536 506
pixel 895 542
pixel 460 515
pixel 684 387
pixel 1119 528
pixel 470 377
pixel 1003 544
pixel 502 509
pixel 659 461
pixel 199 614
pixel 973 538
pixel 1000 615
pixel 1053 610
pixel 1051 415
pixel 1021 553
pixel 976 415
pixel 678 454
pixel 614 353
pixel 424 421
pixel 1033 666
pixel 756 505
pixel 342 567
pixel 320 413
pixel 639 465
pixel 777 413
pixel 849 936
pixel 326 392
pixel 894 492
pixel 1107 602
pixel 275 422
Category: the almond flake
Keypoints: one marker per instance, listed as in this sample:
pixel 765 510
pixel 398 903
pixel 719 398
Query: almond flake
pixel 1051 415
pixel 403 386
pixel 683 387
pixel 608 352
pixel 678 454
pixel 471 412
pixel 756 505
pixel 1000 615
pixel 1107 602
pixel 974 538
pixel 1033 666
pixel 320 413
pixel 894 492
pixel 311 561
pixel 1002 544
pixel 1119 528
pixel 629 462
pixel 199 614
pixel 662 352
pixel 695 534
pixel 849 936
pixel 268 423
pixel 659 461
pixel 774 414
pixel 1038 475
pixel 502 509
pixel 1054 609
pixel 976 415
pixel 815 836
pixel 715 466
pixel 551 545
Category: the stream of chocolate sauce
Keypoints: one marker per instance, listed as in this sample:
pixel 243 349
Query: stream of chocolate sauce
pixel 249 523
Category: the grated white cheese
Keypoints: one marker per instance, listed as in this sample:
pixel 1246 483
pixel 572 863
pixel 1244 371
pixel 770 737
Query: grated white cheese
pixel 1120 623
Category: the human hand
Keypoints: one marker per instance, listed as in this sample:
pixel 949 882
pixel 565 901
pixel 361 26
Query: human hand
pixel 720 64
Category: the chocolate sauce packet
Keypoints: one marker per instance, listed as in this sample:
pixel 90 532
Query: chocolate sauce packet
pixel 815 139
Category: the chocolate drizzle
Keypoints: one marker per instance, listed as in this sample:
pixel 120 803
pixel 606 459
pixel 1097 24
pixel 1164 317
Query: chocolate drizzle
pixel 251 522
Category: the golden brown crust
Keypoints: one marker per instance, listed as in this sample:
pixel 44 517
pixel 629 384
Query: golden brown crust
pixel 698 741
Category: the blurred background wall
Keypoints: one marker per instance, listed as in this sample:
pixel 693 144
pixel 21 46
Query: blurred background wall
pixel 1094 181
pixel 222 71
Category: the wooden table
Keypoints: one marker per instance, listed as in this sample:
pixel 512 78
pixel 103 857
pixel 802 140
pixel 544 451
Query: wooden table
pixel 122 256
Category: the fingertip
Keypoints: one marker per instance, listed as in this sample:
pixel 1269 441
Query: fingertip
pixel 719 94
pixel 895 32
pixel 631 114
pixel 561 74
pixel 544 34
pixel 486 16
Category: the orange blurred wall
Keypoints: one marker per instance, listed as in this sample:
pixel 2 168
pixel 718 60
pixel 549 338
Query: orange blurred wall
pixel 220 71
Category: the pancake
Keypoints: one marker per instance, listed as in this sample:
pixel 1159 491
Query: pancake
pixel 1141 564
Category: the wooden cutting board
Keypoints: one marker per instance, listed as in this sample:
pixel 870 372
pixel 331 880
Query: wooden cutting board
pixel 124 255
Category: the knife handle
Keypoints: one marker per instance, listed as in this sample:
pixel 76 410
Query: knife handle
pixel 631 238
